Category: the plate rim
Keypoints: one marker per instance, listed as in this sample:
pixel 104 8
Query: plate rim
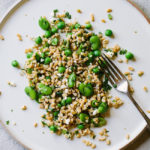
pixel 4 18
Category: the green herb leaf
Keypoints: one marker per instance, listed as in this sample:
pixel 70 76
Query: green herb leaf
pixel 123 52
pixel 55 12
pixel 7 122
pixel 67 15
pixel 110 17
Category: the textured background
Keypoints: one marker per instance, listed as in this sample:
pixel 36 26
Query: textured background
pixel 8 143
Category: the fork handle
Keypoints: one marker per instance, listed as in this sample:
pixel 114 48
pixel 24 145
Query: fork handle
pixel 140 110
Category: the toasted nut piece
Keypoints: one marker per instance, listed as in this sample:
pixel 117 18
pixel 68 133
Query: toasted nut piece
pixel 92 17
pixel 79 11
pixel 109 10
pixel 103 21
pixel 24 107
pixel 127 136
pixel 145 89
pixel 140 73
pixel 1 37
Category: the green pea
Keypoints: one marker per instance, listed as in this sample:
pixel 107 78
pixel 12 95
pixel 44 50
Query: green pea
pixel 29 55
pixel 103 107
pixel 15 63
pixel 53 128
pixel 31 92
pixel 54 41
pixel 84 117
pixel 59 105
pixel 61 25
pixel 68 100
pixel 94 103
pixel 102 121
pixel 108 32
pixel 88 91
pixel 63 102
pixel 48 77
pixel 47 60
pixel 95 42
pixel 48 34
pixel 44 24
pixel 38 40
pixel 96 70
pixel 81 88
pixel 80 126
pixel 129 55
pixel 43 55
pixel 72 80
pixel 97 53
pixel 88 26
pixel 29 70
pixel 44 89
pixel 61 69
pixel 56 113
pixel 54 30
pixel 68 52
pixel 77 26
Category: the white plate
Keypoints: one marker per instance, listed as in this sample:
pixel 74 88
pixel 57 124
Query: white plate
pixel 24 20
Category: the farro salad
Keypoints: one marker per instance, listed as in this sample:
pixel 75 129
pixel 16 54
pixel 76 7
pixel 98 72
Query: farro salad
pixel 65 77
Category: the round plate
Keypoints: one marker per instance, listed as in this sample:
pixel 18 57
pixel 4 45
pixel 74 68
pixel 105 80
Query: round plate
pixel 131 32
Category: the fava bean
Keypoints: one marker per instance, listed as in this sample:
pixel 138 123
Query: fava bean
pixel 95 42
pixel 44 24
pixel 44 89
pixel 72 80
pixel 31 92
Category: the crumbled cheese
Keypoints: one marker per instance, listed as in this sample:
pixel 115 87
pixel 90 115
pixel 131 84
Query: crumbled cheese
pixel 95 112
pixel 12 84
pixel 67 121
pixel 110 54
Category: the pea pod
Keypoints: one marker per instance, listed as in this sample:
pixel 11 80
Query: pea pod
pixel 72 80
pixel 44 24
pixel 31 92
pixel 44 89
pixel 95 42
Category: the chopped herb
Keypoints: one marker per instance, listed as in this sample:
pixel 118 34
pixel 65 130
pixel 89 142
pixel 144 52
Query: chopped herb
pixel 55 11
pixel 67 15
pixel 107 50
pixel 123 52
pixel 114 100
pixel 7 122
pixel 105 85
pixel 110 17
pixel 115 85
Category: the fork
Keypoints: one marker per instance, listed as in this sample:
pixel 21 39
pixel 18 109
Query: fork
pixel 118 79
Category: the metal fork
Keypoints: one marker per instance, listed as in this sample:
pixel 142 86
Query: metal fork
pixel 117 78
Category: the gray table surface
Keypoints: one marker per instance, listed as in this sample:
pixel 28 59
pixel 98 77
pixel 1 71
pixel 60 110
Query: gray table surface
pixel 8 143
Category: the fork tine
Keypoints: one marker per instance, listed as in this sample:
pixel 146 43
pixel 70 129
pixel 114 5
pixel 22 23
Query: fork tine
pixel 110 72
pixel 115 67
pixel 111 81
pixel 111 68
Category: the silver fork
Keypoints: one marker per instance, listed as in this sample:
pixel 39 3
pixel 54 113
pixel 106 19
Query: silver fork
pixel 117 78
